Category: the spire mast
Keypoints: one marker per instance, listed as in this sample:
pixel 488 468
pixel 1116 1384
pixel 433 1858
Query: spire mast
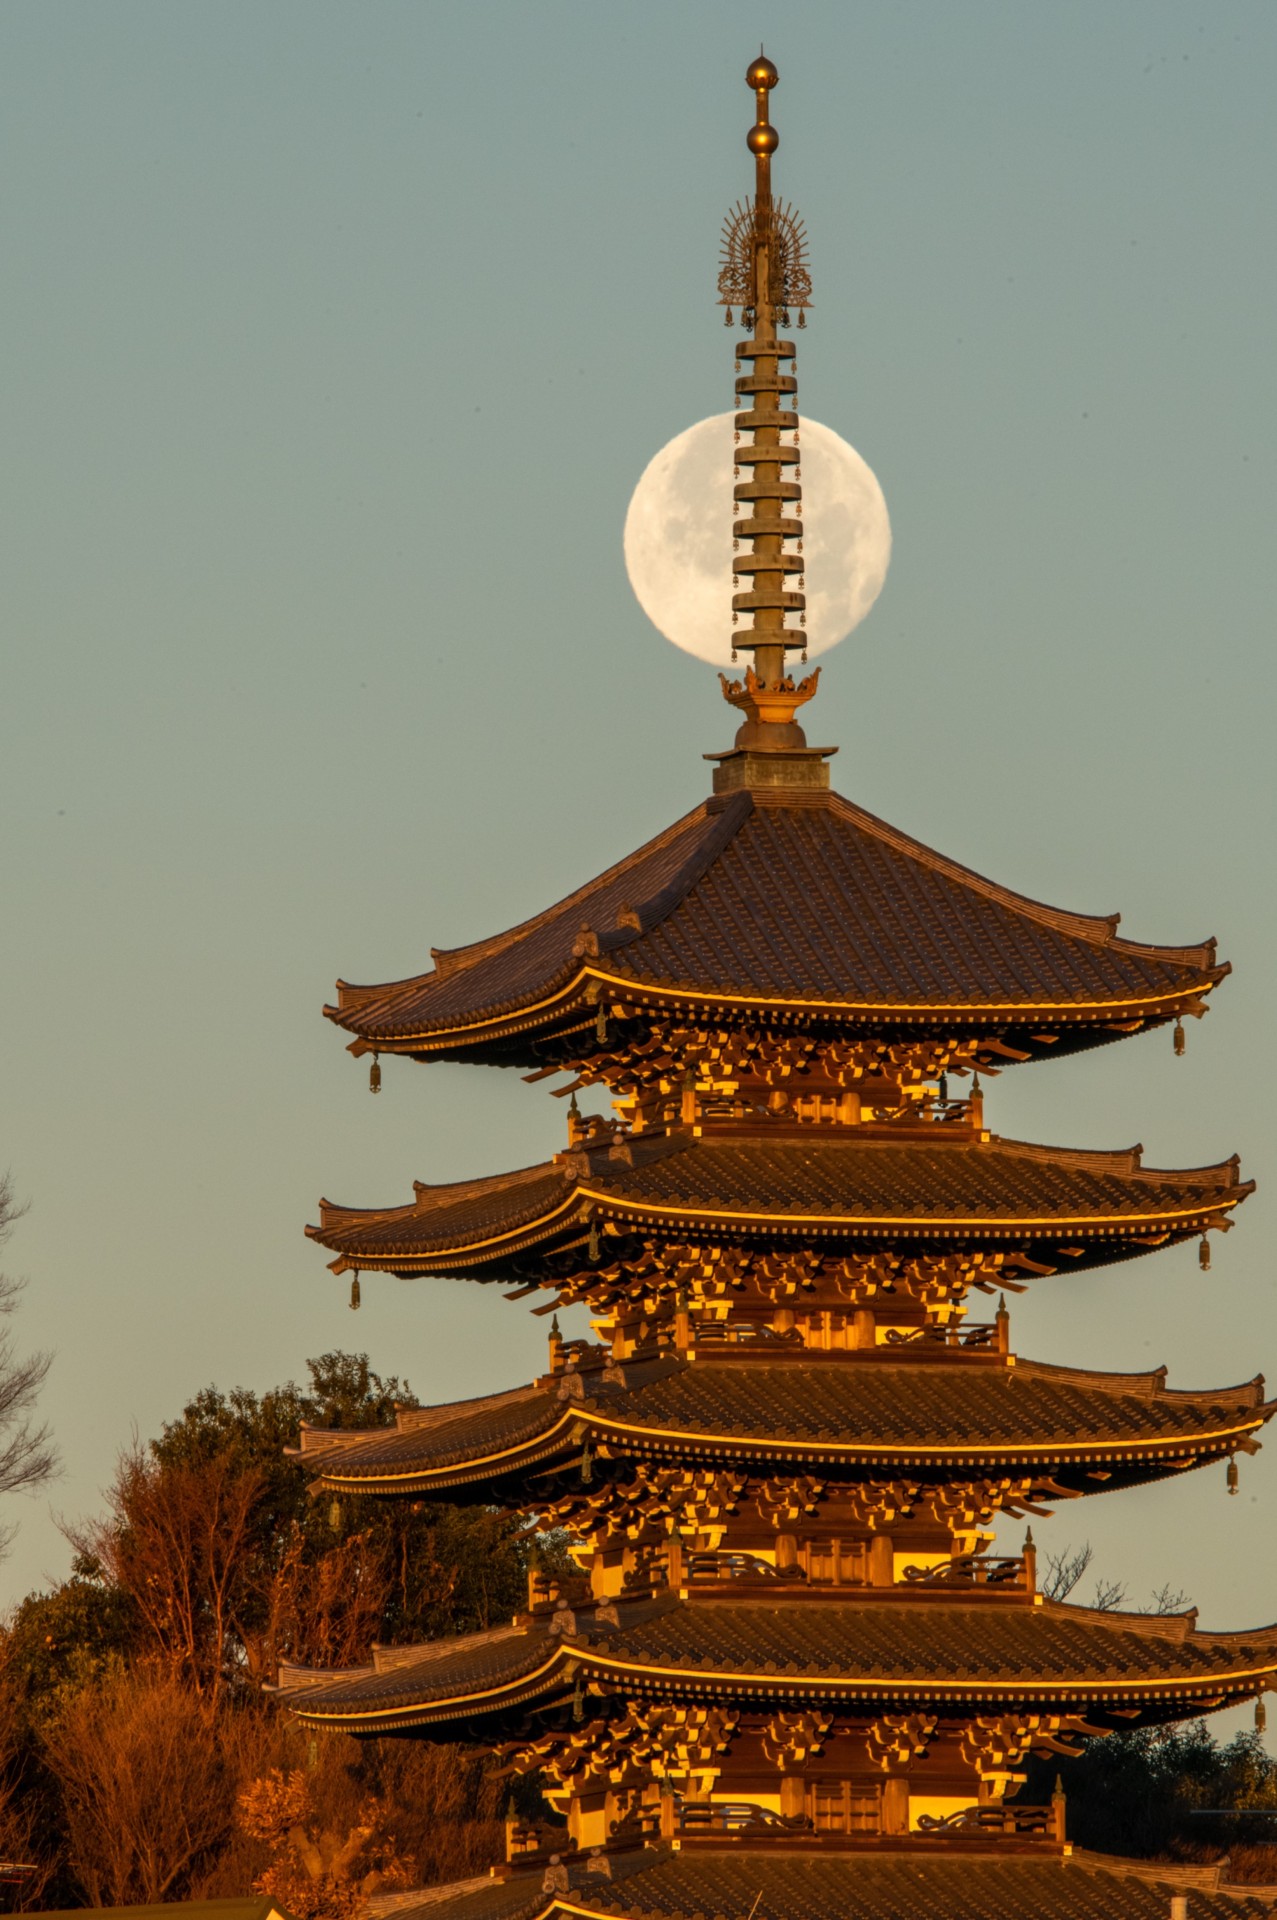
pixel 765 272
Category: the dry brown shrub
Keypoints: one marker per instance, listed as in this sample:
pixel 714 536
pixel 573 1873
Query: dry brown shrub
pixel 148 1772
pixel 1251 1865
pixel 319 1869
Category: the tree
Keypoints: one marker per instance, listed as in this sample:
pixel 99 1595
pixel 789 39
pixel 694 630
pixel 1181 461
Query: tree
pixel 319 1869
pixel 209 1565
pixel 1151 1792
pixel 1064 1571
pixel 175 1541
pixel 149 1772
pixel 27 1456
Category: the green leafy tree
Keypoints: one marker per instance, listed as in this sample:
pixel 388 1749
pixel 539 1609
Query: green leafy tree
pixel 1170 1793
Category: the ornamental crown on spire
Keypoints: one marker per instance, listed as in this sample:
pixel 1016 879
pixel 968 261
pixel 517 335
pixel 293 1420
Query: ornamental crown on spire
pixel 785 1659
pixel 764 273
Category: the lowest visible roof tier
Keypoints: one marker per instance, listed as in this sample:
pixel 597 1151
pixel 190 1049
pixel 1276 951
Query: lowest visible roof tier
pixel 737 1882
pixel 858 1655
pixel 825 1187
pixel 852 1419
pixel 815 912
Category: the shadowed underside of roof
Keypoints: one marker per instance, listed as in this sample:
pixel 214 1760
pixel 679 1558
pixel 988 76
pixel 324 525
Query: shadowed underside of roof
pixel 787 906
pixel 870 1415
pixel 997 1188
pixel 860 1654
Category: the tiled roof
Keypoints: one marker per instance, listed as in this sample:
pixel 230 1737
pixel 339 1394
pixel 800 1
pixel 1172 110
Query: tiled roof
pixel 820 904
pixel 823 1180
pixel 738 1883
pixel 858 1652
pixel 859 1413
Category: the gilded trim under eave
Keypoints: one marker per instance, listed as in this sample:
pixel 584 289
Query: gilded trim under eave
pixel 876 1009
pixel 536 1230
pixel 860 1222
pixel 1179 1687
pixel 1152 1449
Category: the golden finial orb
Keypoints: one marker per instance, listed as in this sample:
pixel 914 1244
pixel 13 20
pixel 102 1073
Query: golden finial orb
pixel 762 75
pixel 762 139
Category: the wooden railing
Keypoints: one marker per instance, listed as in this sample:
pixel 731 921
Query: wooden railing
pixel 737 1566
pixel 972 1570
pixel 969 1333
pixel 1008 1817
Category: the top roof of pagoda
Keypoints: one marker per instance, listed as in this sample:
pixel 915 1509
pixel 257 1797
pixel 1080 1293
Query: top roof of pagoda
pixel 789 905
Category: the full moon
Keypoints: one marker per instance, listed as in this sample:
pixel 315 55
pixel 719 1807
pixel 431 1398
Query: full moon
pixel 678 538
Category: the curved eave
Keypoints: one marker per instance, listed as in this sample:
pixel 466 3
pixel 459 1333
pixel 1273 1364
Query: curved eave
pixel 1233 1679
pixel 588 1200
pixel 576 991
pixel 1151 1457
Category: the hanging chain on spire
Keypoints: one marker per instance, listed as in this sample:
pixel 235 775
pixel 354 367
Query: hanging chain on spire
pixel 764 273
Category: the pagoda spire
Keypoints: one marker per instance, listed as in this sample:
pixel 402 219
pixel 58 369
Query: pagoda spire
pixel 764 272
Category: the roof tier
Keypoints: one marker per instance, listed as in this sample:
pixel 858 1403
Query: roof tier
pixel 793 908
pixel 857 1655
pixel 825 1187
pixel 919 1877
pixel 849 1421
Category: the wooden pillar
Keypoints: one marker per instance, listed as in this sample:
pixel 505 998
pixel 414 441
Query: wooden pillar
pixel 793 1796
pixel 882 1569
pixel 674 1560
pixel 786 1551
pixel 895 1804
pixel 866 1328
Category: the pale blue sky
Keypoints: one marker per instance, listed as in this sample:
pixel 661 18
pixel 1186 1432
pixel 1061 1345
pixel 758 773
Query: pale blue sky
pixel 335 340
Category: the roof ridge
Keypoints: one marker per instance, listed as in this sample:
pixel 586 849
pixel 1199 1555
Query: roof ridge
pixel 728 820
pixel 1148 1385
pixel 1109 1158
pixel 442 1191
pixel 449 961
pixel 1099 928
pixel 1157 1626
pixel 452 960
pixel 333 1214
pixel 424 1652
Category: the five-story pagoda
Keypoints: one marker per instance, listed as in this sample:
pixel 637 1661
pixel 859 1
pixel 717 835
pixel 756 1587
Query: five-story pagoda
pixel 788 1668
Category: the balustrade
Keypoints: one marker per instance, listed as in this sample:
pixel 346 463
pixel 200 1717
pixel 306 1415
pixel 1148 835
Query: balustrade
pixel 973 1570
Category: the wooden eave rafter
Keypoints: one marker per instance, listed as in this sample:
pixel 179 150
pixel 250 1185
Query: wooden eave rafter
pixel 586 1202
pixel 582 990
pixel 570 1661
pixel 637 1440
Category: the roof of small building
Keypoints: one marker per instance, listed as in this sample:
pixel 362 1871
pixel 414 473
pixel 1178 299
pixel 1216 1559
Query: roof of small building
pixel 797 1648
pixel 876 1415
pixel 825 1182
pixel 738 1882
pixel 785 907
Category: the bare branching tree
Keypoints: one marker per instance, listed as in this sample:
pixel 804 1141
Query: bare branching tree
pixel 27 1455
pixel 148 1773
pixel 1065 1569
pixel 1167 1599
pixel 1109 1594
